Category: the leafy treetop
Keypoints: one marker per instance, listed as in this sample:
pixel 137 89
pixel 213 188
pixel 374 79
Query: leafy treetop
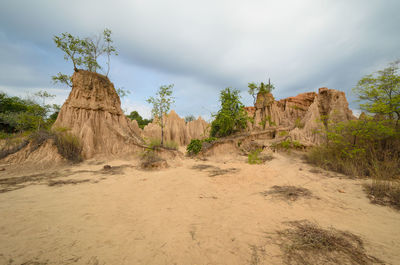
pixel 380 92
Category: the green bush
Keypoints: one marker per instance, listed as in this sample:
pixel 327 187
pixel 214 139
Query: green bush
pixel 171 145
pixel 366 148
pixel 69 146
pixel 232 116
pixel 194 147
pixel 254 158
pixel 288 144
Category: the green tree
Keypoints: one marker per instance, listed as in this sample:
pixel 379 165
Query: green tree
pixel 380 92
pixel 134 115
pixel 18 114
pixel 231 117
pixel 161 105
pixel 84 52
pixel 254 89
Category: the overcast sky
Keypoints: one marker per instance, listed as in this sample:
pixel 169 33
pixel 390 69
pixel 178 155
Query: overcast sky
pixel 203 46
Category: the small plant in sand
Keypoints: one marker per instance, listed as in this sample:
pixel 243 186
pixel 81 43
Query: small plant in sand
pixel 150 160
pixel 254 157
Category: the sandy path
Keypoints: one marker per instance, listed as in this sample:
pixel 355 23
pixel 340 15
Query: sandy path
pixel 183 216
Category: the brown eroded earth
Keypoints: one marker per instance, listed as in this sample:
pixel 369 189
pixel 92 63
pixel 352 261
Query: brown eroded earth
pixel 195 212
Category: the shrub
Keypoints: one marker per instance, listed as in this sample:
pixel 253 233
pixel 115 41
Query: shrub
pixel 283 133
pixel 288 144
pixel 253 157
pixel 366 148
pixel 194 147
pixel 384 192
pixel 231 117
pixel 171 145
pixel 69 146
pixel 154 143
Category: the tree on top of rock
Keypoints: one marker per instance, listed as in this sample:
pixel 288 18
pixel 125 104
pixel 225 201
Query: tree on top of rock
pixel 254 89
pixel 84 52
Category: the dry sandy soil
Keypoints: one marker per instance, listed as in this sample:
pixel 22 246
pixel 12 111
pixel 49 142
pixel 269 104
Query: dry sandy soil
pixel 195 212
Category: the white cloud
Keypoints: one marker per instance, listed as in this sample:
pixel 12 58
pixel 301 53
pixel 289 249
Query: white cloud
pixel 205 46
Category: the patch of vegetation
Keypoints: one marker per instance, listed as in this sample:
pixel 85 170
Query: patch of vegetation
pixel 13 145
pixel 150 160
pixel 288 144
pixel 283 133
pixel 384 192
pixel 254 89
pixel 134 115
pixel 156 143
pixel 299 124
pixel 254 158
pixel 360 148
pixel 19 115
pixel 308 243
pixel 231 117
pixel 196 145
pixel 290 193
pixel 69 146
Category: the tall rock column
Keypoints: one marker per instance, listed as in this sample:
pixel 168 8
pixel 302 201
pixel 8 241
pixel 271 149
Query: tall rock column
pixel 93 113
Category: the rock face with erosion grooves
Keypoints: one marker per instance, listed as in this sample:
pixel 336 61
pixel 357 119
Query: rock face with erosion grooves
pixel 303 115
pixel 93 113
pixel 177 130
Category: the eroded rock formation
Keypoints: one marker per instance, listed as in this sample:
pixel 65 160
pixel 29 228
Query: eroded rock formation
pixel 93 113
pixel 303 115
pixel 177 130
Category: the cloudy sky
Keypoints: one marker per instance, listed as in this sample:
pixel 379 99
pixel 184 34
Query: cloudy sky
pixel 203 46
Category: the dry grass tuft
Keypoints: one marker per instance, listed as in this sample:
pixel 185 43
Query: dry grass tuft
pixel 150 160
pixel 291 193
pixel 307 243
pixel 384 193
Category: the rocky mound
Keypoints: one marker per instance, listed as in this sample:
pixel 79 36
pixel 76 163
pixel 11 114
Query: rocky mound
pixel 93 113
pixel 177 130
pixel 303 115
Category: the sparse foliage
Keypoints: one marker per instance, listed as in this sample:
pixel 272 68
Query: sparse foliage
pixel 62 79
pixel 84 52
pixel 161 105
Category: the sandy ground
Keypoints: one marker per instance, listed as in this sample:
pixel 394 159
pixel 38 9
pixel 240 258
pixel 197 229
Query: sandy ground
pixel 215 214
